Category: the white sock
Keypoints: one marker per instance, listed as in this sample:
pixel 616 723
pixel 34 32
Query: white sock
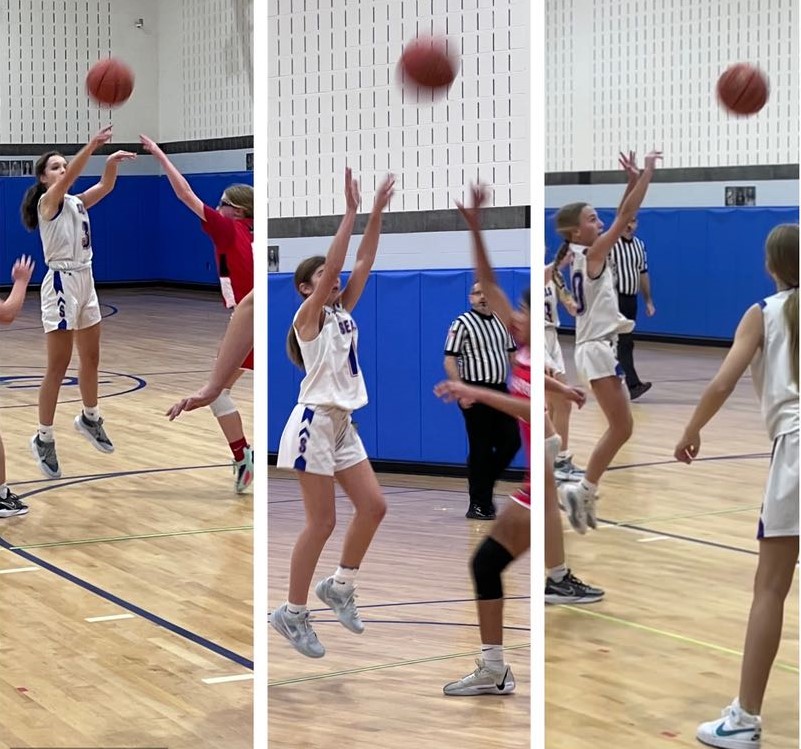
pixel 558 573
pixel 92 414
pixel 564 455
pixel 46 433
pixel 345 576
pixel 493 656
pixel 296 609
pixel 588 488
pixel 3 491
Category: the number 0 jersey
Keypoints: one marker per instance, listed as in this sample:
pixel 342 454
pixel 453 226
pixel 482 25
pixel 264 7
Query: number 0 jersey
pixel 598 315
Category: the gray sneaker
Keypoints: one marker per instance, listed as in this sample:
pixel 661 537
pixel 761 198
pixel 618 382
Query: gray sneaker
pixel 44 453
pixel 342 602
pixel 574 504
pixel 482 681
pixel 564 470
pixel 298 630
pixel 94 432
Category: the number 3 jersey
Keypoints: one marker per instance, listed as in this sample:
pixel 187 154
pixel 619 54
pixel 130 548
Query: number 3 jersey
pixel 333 377
pixel 598 315
pixel 67 238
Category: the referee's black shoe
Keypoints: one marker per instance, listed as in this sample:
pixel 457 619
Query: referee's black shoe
pixel 480 513
pixel 639 389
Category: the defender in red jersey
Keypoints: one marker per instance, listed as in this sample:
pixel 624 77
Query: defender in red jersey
pixel 230 228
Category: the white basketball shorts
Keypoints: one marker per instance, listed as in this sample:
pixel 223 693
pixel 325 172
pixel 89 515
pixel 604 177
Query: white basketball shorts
pixel 69 300
pixel 597 359
pixel 553 352
pixel 779 515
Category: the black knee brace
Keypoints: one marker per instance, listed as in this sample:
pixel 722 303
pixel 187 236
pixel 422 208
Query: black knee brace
pixel 488 562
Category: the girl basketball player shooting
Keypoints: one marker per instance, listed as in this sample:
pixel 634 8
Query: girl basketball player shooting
pixel 230 228
pixel 320 441
pixel 767 339
pixel 510 536
pixel 70 310
pixel 10 503
pixel 598 323
pixel 558 408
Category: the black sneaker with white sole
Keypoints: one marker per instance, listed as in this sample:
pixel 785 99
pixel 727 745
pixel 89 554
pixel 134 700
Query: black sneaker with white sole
pixel 571 590
pixel 12 505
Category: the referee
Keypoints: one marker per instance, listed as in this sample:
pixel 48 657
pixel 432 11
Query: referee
pixel 477 351
pixel 630 265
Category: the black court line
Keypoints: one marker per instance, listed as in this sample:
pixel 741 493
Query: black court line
pixel 133 608
pixel 111 307
pixel 673 461
pixel 140 384
pixel 472 625
pixel 426 603
pixel 106 595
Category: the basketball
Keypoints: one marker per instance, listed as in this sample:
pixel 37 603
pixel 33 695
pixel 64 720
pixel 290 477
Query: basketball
pixel 427 62
pixel 110 82
pixel 743 89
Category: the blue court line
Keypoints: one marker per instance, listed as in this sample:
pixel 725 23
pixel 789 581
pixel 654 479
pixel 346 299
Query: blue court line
pixel 113 312
pixel 133 608
pixel 426 603
pixel 140 384
pixel 472 625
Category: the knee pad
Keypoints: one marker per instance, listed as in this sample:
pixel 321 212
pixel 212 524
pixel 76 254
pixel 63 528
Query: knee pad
pixel 224 405
pixel 489 561
pixel 552 445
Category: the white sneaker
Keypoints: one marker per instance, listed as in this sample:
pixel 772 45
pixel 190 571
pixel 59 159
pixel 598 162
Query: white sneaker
pixel 736 729
pixel 482 681
pixel 572 499
pixel 341 599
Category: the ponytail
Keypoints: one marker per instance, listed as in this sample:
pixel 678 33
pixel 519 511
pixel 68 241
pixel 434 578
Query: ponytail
pixel 293 348
pixel 791 318
pixel 29 210
pixel 558 278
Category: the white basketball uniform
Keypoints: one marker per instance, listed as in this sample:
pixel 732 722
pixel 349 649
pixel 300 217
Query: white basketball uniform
pixel 319 436
pixel 778 396
pixel 598 319
pixel 69 300
pixel 553 351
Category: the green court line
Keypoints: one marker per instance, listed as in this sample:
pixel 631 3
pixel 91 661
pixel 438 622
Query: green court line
pixel 382 666
pixel 672 635
pixel 113 539
pixel 709 513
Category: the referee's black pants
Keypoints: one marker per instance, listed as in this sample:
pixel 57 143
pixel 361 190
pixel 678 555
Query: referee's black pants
pixel 625 344
pixel 494 439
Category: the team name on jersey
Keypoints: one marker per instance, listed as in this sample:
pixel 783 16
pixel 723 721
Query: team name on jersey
pixel 346 326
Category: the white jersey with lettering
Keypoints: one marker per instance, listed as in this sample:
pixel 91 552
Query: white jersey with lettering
pixel 333 377
pixel 773 379
pixel 598 316
pixel 551 306
pixel 67 237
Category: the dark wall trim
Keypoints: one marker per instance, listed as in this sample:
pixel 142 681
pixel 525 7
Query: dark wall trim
pixel 515 217
pixel 690 174
pixel 679 340
pixel 184 146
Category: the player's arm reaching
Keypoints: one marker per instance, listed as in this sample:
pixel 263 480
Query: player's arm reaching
pixel 597 254
pixel 236 345
pixel 365 255
pixel 485 275
pixel 96 193
pixel 307 322
pixel 747 341
pixel 629 165
pixel 177 181
pixel 54 197
pixel 21 275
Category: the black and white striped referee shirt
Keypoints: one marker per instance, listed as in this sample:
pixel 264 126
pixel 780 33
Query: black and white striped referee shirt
pixel 628 260
pixel 482 344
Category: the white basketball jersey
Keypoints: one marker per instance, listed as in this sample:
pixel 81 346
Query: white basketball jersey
pixel 551 306
pixel 333 377
pixel 771 372
pixel 597 314
pixel 67 238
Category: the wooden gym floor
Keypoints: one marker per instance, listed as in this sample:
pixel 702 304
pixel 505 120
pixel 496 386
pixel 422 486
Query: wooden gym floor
pixel 128 585
pixel 384 687
pixel 676 554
